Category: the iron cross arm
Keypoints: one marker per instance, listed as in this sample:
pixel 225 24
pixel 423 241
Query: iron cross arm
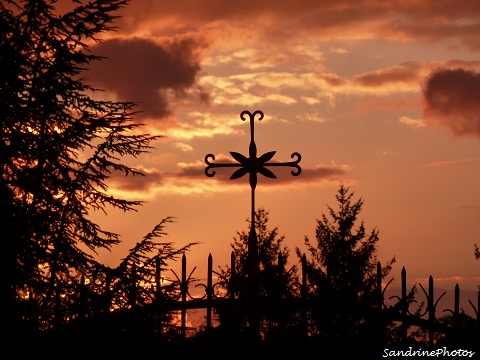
pixel 253 164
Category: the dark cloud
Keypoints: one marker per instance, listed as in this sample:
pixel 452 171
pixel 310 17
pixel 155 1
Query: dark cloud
pixel 406 73
pixel 138 182
pixel 399 19
pixel 451 100
pixel 370 104
pixel 190 172
pixel 314 175
pixel 322 172
pixel 444 19
pixel 284 176
pixel 145 72
pixel 191 175
pixel 333 79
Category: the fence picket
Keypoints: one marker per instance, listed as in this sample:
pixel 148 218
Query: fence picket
pixel 184 289
pixel 456 310
pixel 431 311
pixel 209 291
pixel 404 305
pixel 232 276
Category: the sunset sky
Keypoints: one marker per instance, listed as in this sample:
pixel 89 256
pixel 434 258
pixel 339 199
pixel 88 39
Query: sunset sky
pixel 382 96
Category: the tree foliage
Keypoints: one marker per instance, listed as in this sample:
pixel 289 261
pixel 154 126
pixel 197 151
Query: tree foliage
pixel 342 268
pixel 133 291
pixel 275 279
pixel 139 270
pixel 59 145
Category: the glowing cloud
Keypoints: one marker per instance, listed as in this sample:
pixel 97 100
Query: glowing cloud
pixel 417 123
pixel 204 124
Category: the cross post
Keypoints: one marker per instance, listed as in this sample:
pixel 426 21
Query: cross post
pixel 252 166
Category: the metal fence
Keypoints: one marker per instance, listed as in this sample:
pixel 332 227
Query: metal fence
pixel 215 295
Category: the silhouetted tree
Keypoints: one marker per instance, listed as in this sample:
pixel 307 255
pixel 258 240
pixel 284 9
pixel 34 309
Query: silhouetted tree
pixel 342 270
pixel 58 148
pixel 276 281
pixel 132 294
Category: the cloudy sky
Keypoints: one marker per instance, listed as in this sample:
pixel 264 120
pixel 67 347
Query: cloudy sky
pixel 381 96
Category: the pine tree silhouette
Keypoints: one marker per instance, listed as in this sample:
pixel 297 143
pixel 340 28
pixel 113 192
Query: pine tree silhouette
pixel 58 148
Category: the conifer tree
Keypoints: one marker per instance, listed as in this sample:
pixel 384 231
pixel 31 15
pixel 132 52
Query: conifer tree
pixel 58 147
pixel 276 280
pixel 134 291
pixel 342 269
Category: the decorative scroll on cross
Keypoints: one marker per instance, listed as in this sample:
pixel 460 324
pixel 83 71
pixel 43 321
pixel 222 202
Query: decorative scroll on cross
pixel 253 164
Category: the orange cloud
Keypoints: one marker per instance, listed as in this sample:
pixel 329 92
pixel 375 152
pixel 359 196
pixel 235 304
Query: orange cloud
pixel 372 103
pixel 137 183
pixel 406 73
pixel 166 44
pixel 280 20
pixel 203 125
pixel 416 123
pixel 451 162
pixel 286 88
pixel 314 88
pixel 451 101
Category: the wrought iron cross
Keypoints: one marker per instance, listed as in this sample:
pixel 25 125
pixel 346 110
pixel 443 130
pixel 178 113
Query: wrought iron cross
pixel 252 166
